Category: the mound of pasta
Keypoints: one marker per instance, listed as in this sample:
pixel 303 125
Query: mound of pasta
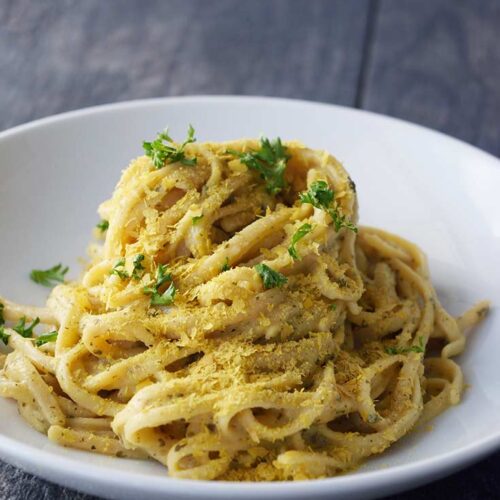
pixel 235 323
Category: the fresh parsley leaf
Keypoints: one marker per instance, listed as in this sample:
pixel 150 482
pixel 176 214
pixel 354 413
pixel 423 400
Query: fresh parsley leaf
pixel 138 269
pixel 164 151
pixel 167 297
pixel 196 219
pixel 298 235
pixel 50 276
pixel 4 336
pixel 420 347
pixel 393 350
pixel 270 161
pixel 23 330
pixel 321 196
pixel 47 337
pixel 403 350
pixel 103 225
pixel 270 277
pixel 162 276
pixel 119 269
pixel 341 221
pixel 225 267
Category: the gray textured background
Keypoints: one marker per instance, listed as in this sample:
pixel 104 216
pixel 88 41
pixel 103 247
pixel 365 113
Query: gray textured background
pixel 434 62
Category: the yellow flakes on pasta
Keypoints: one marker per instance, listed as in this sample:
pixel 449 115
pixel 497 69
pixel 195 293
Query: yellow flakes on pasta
pixel 235 329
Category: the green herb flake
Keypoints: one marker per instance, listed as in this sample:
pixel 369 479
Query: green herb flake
pixel 167 297
pixel 45 338
pixel 404 350
pixel 50 276
pixel 270 277
pixel 225 267
pixel 138 269
pixel 298 235
pixel 270 161
pixel 23 330
pixel 196 219
pixel 321 196
pixel 119 269
pixel 4 336
pixel 333 307
pixel 103 225
pixel 163 150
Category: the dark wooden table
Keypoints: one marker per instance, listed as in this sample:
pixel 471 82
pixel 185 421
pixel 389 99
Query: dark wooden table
pixel 434 62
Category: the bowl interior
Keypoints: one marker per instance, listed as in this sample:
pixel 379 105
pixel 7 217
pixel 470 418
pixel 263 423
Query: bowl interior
pixel 434 190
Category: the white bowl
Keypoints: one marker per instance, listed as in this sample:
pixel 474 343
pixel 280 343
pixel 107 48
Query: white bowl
pixel 430 188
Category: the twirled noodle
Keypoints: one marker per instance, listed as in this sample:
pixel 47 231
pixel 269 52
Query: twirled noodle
pixel 233 380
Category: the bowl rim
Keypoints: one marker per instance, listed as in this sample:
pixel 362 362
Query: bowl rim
pixel 29 457
pixel 219 98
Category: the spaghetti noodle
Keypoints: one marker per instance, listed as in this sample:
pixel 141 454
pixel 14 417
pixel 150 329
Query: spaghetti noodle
pixel 235 324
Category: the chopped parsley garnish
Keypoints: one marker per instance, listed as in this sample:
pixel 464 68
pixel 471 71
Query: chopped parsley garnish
pixel 321 196
pixel 50 276
pixel 103 225
pixel 167 297
pixel 23 330
pixel 225 267
pixel 119 269
pixel 196 219
pixel 138 270
pixel 45 338
pixel 270 277
pixel 333 307
pixel 298 235
pixel 164 151
pixel 403 350
pixel 4 337
pixel 270 161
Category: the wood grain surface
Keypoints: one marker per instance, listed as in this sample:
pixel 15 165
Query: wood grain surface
pixel 60 55
pixel 437 63
pixel 434 62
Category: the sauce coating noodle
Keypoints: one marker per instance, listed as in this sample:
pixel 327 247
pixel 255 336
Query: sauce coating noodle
pixel 224 378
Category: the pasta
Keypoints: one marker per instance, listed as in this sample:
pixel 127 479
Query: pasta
pixel 235 324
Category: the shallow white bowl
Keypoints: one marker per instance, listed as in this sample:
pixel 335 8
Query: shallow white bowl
pixel 430 188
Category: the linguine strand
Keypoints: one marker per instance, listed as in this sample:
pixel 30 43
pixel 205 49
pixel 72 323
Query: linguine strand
pixel 233 380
